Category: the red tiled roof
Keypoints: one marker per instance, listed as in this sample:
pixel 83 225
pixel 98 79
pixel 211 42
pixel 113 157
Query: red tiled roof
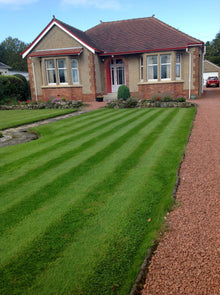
pixel 61 51
pixel 138 35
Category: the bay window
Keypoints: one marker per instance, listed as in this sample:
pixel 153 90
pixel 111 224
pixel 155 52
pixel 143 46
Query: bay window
pixel 61 71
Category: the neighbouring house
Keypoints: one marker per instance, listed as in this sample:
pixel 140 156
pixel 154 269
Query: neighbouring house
pixel 147 55
pixel 210 70
pixel 12 73
pixel 4 69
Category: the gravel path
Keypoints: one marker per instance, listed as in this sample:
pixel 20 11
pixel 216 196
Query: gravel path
pixel 187 260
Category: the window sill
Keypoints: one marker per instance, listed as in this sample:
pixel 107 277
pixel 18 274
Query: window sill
pixel 62 86
pixel 160 82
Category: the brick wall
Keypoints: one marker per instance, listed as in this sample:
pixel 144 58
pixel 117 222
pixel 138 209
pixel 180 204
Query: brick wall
pixel 161 89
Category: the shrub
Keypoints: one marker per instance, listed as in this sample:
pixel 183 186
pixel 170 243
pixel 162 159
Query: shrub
pixel 11 88
pixel 181 99
pixel 26 86
pixel 123 92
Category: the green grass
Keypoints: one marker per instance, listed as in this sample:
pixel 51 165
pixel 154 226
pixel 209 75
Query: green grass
pixel 14 118
pixel 75 204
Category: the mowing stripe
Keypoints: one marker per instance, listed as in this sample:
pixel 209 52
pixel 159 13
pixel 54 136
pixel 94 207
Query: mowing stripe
pixel 72 266
pixel 64 165
pixel 11 216
pixel 55 141
pixel 62 202
pixel 138 153
pixel 70 146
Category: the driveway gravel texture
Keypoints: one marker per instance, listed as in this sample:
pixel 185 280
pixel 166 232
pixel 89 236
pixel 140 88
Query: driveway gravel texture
pixel 187 260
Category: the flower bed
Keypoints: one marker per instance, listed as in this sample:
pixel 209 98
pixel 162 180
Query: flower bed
pixel 157 102
pixel 56 103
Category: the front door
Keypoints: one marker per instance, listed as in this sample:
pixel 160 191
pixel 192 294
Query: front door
pixel 117 74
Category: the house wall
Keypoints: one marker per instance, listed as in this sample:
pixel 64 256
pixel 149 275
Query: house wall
pixel 85 90
pixel 174 86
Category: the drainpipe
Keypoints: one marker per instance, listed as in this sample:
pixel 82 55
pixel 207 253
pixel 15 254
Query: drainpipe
pixel 190 62
pixel 203 57
pixel 35 85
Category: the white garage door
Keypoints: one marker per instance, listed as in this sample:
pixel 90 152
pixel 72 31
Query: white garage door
pixel 206 75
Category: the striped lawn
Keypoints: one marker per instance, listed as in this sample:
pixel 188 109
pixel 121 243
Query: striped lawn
pixel 75 204
pixel 12 118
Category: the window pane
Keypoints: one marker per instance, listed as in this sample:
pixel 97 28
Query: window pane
pixel 75 71
pixel 165 71
pixel 75 75
pixel 178 70
pixel 152 59
pixel 63 76
pixel 165 58
pixel 51 76
pixel 74 63
pixel 50 64
pixel 120 76
pixel 178 58
pixel 61 63
pixel 152 72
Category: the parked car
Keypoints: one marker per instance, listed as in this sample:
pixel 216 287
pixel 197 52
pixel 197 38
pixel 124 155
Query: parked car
pixel 212 81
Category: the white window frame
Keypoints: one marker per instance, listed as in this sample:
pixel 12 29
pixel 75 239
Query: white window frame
pixel 75 68
pixel 178 64
pixel 64 69
pixel 50 69
pixel 149 65
pixel 165 64
pixel 141 68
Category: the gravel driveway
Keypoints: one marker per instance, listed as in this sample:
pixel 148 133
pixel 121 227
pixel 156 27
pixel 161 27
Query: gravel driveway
pixel 187 260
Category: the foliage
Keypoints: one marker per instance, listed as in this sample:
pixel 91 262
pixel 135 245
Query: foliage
pixel 139 103
pixel 123 92
pixel 27 91
pixel 213 50
pixel 10 54
pixel 12 88
pixel 84 203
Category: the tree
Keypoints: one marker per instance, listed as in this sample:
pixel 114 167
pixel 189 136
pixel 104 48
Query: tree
pixel 213 50
pixel 10 54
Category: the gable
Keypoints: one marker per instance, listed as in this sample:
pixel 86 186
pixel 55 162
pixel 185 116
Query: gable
pixel 75 34
pixel 56 38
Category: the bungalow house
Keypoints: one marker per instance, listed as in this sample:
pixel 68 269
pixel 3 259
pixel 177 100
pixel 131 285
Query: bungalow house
pixel 147 55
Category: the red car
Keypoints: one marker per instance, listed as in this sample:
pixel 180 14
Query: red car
pixel 212 81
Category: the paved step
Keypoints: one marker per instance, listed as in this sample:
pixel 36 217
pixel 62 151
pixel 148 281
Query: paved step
pixel 110 96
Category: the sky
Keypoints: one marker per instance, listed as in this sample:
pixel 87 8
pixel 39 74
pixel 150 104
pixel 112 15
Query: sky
pixel 25 19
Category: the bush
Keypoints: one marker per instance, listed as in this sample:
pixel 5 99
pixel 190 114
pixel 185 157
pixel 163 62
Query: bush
pixel 26 86
pixel 11 89
pixel 123 92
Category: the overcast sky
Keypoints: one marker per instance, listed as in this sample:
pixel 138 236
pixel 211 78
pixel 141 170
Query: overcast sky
pixel 25 19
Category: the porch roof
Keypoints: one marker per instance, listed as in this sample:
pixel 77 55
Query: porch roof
pixel 59 51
